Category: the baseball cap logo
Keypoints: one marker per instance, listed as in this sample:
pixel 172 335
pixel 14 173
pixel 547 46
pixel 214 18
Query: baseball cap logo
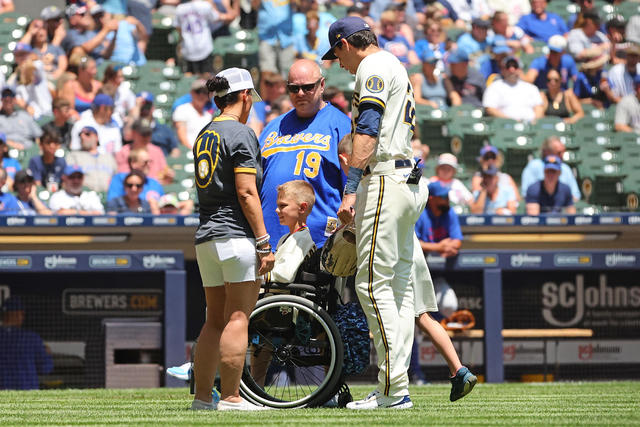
pixel 338 36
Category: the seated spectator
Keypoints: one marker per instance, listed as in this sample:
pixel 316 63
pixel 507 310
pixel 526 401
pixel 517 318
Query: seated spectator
pixel 81 39
pixel 515 38
pixel 22 53
pixel 131 202
pixel 47 168
pixel 24 356
pixel 32 92
pixel 27 195
pixel 586 41
pixel 9 164
pixel 52 56
pixel 540 24
pixel 514 9
pixel 435 41
pixel 309 45
pixel 628 111
pixel 196 45
pixel 141 139
pixel 98 167
pixel 406 19
pixel 465 85
pixel 438 227
pixel 271 88
pixel 21 131
pixel 72 199
pixel 560 103
pixel 512 97
pixel 170 205
pixel 494 198
pixel 475 43
pixel 621 76
pixel 163 136
pixel 592 86
pixel 428 87
pixel 335 97
pixel 467 10
pixel 7 6
pixel 81 91
pixel 576 19
pixel 490 66
pixel 100 118
pixel 61 109
pixel 8 202
pixel 614 29
pixel 126 39
pixel 459 195
pixel 392 41
pixel 300 20
pixel 549 195
pixel 124 100
pixel 490 156
pixel 557 60
pixel 138 160
pixel 190 118
pixel 534 171
pixel 52 17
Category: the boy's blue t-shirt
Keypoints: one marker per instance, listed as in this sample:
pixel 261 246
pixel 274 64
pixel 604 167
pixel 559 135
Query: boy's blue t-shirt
pixel 433 229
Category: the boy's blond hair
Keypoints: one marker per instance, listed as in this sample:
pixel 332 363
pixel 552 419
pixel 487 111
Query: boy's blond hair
pixel 345 146
pixel 300 191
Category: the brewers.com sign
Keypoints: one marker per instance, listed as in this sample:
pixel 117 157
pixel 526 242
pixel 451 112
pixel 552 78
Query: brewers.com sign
pixel 112 302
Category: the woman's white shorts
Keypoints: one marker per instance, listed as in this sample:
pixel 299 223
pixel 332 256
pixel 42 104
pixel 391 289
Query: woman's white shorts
pixel 230 260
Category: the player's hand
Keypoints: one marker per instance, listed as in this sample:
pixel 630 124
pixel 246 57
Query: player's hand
pixel 346 211
pixel 266 263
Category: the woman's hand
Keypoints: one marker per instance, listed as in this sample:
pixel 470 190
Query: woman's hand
pixel 266 263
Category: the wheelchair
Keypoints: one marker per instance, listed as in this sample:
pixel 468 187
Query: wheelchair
pixel 295 353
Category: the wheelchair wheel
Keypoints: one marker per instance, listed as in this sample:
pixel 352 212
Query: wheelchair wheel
pixel 294 356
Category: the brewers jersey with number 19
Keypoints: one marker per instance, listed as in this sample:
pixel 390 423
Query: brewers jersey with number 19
pixel 383 81
pixel 297 148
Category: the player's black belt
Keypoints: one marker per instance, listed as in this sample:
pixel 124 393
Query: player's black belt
pixel 399 164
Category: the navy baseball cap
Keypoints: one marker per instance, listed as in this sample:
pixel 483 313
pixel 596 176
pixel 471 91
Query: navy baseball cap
pixel 552 162
pixel 458 56
pixel 343 28
pixel 438 189
pixel 12 304
pixel 102 99
pixel 89 129
pixel 488 149
pixel 147 96
pixel 71 169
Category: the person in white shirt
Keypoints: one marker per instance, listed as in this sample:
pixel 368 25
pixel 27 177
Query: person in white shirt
pixel 99 118
pixel 512 97
pixel 620 76
pixel 193 19
pixel 587 41
pixel 190 118
pixel 72 200
pixel 459 194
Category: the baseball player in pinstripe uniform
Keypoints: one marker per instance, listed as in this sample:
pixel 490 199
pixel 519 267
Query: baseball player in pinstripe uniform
pixel 386 198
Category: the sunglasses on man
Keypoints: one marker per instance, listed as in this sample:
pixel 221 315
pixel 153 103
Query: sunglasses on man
pixel 306 88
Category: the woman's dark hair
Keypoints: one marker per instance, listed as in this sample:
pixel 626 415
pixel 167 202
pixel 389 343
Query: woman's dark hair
pixel 110 73
pixel 135 172
pixel 50 133
pixel 362 39
pixel 217 84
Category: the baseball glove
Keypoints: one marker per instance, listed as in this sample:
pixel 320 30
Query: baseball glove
pixel 339 252
pixel 459 321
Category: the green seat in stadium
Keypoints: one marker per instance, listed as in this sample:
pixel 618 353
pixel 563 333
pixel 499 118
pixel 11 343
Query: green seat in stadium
pixel 432 127
pixel 602 184
pixel 465 110
pixel 590 124
pixel 468 135
pixel 498 124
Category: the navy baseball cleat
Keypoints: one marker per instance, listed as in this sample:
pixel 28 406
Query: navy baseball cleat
pixel 376 400
pixel 462 383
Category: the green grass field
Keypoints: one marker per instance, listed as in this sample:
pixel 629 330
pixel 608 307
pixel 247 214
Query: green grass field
pixel 594 403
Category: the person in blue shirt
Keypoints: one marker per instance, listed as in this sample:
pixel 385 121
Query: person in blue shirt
pixel 303 144
pixel 8 202
pixel 151 190
pixel 162 136
pixel 592 83
pixel 540 24
pixel 10 165
pixel 23 354
pixel 476 43
pixel 549 195
pixel 391 40
pixel 275 30
pixel 534 171
pixel 309 45
pixel 557 60
pixel 47 168
pixel 438 227
pixel 490 66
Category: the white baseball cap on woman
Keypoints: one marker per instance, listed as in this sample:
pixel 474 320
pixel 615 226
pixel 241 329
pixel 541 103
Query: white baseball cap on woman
pixel 239 79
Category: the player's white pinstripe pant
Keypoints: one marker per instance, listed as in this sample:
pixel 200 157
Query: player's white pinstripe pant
pixel 387 209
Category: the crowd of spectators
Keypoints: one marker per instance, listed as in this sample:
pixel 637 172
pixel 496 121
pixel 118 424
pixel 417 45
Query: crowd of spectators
pixel 457 52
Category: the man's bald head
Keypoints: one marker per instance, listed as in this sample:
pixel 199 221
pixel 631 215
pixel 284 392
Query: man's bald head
pixel 306 86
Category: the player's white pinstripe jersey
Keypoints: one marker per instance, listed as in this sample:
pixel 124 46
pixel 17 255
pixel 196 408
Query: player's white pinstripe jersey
pixel 381 79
